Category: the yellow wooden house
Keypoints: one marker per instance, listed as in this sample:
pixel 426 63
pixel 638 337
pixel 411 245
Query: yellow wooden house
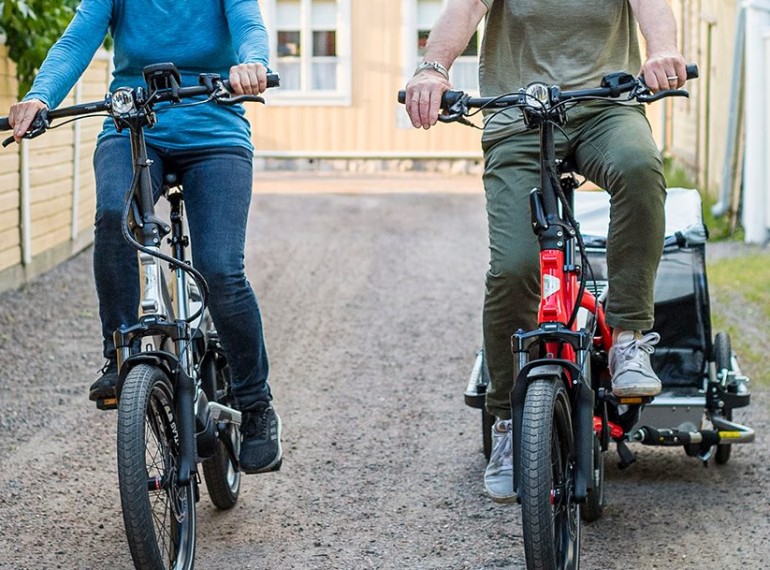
pixel 342 63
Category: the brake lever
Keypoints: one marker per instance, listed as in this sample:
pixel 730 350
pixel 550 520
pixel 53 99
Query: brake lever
pixel 239 99
pixel 39 125
pixel 457 112
pixel 642 98
pixel 450 117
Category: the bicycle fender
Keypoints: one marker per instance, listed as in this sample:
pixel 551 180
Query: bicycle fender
pixel 544 371
pixel 163 360
pixel 583 429
pixel 532 371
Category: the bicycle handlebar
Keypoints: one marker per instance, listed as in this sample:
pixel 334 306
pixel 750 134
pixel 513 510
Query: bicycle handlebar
pixel 273 80
pixel 613 85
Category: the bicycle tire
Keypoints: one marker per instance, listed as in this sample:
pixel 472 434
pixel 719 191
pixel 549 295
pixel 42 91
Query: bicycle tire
pixel 723 360
pixel 550 519
pixel 223 479
pixel 158 513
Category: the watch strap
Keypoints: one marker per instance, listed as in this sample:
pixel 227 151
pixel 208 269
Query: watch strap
pixel 434 66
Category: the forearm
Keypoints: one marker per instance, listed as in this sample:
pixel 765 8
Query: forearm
pixel 657 24
pixel 250 39
pixel 453 30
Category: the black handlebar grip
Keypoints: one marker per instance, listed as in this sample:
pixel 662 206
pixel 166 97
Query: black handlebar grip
pixel 692 71
pixel 448 99
pixel 4 124
pixel 273 80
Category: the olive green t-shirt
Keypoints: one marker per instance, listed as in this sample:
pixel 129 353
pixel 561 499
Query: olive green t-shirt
pixel 569 43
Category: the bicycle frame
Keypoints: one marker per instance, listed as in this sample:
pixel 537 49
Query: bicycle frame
pixel 564 350
pixel 170 337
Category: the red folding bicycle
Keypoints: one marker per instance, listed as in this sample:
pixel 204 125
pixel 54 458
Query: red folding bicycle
pixel 563 410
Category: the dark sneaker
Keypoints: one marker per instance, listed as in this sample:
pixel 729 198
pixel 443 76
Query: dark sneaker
pixel 498 477
pixel 104 387
pixel 261 445
pixel 632 373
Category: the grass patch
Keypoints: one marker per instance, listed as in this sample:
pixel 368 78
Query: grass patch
pixel 740 306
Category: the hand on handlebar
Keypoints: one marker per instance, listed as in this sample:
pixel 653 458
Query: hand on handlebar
pixel 423 98
pixel 664 71
pixel 21 115
pixel 248 79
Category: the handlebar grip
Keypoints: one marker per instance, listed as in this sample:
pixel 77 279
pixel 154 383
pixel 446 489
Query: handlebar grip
pixel 448 99
pixel 4 124
pixel 273 80
pixel 692 71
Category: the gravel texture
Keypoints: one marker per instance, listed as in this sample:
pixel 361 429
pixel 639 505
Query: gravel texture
pixel 371 295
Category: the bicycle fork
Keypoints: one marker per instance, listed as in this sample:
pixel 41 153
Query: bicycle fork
pixel 581 395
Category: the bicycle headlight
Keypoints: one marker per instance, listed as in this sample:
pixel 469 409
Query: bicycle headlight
pixel 123 101
pixel 537 92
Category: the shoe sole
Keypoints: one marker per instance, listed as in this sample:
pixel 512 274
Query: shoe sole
pixel 274 465
pixel 635 391
pixel 503 500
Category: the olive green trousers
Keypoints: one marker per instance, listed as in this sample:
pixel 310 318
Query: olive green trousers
pixel 612 146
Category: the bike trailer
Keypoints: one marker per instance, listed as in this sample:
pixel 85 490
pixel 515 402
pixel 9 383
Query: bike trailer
pixel 699 372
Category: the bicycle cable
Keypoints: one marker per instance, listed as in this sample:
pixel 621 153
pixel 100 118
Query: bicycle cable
pixel 200 281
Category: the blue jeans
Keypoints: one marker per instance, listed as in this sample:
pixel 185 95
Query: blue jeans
pixel 217 193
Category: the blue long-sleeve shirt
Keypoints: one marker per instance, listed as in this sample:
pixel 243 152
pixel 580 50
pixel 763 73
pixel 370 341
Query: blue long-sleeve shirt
pixel 198 36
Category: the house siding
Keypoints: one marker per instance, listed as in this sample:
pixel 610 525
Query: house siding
pixel 40 232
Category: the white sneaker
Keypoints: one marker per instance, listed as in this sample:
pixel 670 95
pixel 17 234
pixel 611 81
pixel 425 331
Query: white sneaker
pixel 498 477
pixel 632 373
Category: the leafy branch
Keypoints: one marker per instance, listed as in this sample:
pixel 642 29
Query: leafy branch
pixel 31 27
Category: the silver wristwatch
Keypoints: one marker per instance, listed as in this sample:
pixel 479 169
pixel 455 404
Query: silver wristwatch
pixel 435 66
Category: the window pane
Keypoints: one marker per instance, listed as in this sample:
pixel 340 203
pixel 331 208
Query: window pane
pixel 324 76
pixel 473 46
pixel 325 43
pixel 464 74
pixel 428 12
pixel 290 74
pixel 422 40
pixel 287 14
pixel 324 14
pixel 288 44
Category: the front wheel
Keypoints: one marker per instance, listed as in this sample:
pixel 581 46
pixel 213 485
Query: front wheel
pixel 158 510
pixel 550 517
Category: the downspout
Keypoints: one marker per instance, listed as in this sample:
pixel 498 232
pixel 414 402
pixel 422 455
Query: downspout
pixel 723 205
pixel 754 211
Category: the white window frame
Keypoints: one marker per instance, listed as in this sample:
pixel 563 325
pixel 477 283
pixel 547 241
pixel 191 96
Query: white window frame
pixel 409 50
pixel 409 38
pixel 343 95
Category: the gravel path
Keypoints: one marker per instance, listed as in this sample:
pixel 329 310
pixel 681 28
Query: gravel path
pixel 372 304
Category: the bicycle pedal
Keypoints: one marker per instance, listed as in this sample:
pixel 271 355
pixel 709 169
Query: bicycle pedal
pixel 634 400
pixel 107 404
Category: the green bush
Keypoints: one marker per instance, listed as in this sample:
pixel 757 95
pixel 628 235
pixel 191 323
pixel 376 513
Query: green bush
pixel 31 27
